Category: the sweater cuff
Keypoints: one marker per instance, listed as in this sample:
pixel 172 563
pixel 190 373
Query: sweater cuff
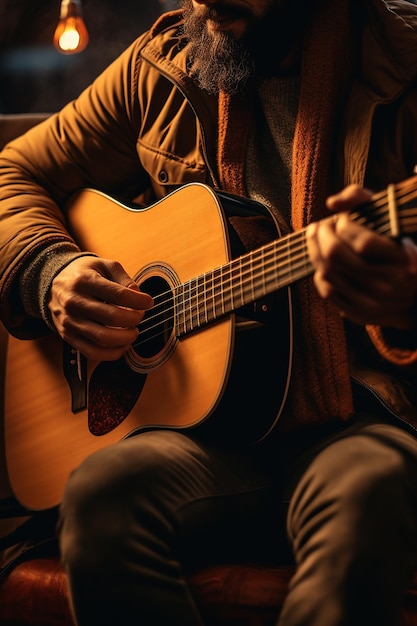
pixel 36 279
pixel 397 346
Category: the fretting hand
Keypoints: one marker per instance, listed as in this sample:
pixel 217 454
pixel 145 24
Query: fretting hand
pixel 371 279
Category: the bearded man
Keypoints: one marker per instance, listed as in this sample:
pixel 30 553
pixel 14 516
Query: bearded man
pixel 296 114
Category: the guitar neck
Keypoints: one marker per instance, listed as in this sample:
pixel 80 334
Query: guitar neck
pixel 282 262
pixel 244 280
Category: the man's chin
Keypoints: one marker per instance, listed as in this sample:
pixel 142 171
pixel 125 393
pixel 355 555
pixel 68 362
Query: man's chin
pixel 219 62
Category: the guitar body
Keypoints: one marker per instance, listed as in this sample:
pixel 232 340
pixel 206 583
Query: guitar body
pixel 218 378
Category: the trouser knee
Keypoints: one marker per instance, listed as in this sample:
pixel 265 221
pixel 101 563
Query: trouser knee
pixel 361 487
pixel 108 494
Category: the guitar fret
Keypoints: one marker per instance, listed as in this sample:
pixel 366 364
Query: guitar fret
pixel 228 302
pixel 392 211
pixel 202 300
pixel 203 288
pixel 218 293
pixel 251 291
pixel 194 304
pixel 235 284
pixel 241 293
pixel 262 255
pixel 210 301
pixel 188 301
pixel 180 327
pixel 199 299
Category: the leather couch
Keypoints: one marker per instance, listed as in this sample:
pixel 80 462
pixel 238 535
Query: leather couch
pixel 35 592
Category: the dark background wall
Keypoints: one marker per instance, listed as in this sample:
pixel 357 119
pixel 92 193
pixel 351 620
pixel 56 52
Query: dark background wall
pixel 34 77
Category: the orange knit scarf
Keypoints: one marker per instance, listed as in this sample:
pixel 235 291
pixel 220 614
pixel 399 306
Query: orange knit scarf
pixel 320 379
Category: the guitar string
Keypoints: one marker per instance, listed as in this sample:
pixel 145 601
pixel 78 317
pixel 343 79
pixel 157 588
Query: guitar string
pixel 295 275
pixel 297 249
pixel 295 264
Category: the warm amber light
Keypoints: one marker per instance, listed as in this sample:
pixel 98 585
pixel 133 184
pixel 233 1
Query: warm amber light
pixel 71 35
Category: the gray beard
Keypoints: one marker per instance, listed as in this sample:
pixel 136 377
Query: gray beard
pixel 217 61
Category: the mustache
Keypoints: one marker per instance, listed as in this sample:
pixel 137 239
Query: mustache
pixel 221 10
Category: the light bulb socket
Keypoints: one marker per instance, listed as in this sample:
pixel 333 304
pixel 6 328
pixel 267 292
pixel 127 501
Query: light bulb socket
pixel 70 8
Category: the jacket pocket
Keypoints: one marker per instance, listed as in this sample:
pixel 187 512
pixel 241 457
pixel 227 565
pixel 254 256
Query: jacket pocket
pixel 168 170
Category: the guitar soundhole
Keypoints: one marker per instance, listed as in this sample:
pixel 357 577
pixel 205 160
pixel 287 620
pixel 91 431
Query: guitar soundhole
pixel 156 337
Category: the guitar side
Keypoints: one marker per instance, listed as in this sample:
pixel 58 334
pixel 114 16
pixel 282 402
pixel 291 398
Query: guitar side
pixel 5 488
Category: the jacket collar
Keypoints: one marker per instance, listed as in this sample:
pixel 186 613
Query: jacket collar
pixel 389 59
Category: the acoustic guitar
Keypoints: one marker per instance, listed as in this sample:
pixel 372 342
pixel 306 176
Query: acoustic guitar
pixel 215 347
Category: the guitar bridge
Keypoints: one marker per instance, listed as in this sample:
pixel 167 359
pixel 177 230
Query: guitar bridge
pixel 75 372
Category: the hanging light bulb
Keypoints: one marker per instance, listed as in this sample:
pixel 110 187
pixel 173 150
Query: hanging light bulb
pixel 71 35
